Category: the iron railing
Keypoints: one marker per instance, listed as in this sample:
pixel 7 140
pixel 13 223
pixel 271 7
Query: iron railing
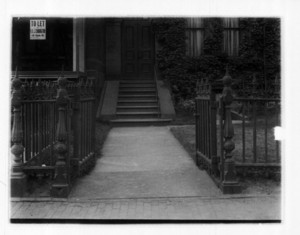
pixel 53 129
pixel 235 133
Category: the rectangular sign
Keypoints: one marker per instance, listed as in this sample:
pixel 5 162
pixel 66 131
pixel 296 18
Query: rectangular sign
pixel 37 29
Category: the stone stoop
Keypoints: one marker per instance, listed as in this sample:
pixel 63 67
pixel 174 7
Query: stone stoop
pixel 138 104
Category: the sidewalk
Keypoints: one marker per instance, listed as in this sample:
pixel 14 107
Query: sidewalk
pixel 195 208
pixel 145 173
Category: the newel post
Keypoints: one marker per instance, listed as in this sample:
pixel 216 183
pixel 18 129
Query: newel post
pixel 76 126
pixel 60 186
pixel 18 178
pixel 230 183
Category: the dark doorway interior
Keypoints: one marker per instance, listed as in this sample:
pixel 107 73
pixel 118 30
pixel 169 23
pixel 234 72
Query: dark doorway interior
pixel 137 49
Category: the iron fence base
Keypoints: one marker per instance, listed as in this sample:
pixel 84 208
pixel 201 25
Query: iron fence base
pixel 18 184
pixel 230 188
pixel 60 190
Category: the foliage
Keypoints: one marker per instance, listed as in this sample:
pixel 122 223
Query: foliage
pixel 187 105
pixel 171 36
pixel 213 36
pixel 260 46
pixel 259 53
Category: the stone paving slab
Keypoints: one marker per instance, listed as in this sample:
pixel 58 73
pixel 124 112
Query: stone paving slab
pixel 194 208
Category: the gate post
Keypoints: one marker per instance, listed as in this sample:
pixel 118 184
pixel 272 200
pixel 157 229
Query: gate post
pixel 74 161
pixel 17 177
pixel 197 115
pixel 229 183
pixel 60 186
pixel 213 132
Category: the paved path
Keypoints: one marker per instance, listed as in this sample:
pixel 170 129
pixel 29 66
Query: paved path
pixel 144 162
pixel 145 173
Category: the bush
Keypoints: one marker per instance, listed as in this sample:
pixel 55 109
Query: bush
pixel 187 105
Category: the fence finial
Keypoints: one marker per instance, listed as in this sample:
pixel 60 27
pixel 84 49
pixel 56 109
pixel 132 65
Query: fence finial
pixel 18 178
pixel 227 80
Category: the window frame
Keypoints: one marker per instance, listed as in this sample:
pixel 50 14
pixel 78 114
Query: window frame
pixel 192 30
pixel 236 50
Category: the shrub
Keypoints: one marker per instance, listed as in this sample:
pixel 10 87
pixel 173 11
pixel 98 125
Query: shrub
pixel 187 105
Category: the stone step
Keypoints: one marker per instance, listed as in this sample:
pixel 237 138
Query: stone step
pixel 137 85
pixel 137 81
pixel 138 97
pixel 132 102
pixel 143 108
pixel 140 122
pixel 137 100
pixel 139 115
pixel 135 93
pixel 137 89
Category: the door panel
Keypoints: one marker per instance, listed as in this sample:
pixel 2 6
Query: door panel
pixel 129 50
pixel 145 62
pixel 138 50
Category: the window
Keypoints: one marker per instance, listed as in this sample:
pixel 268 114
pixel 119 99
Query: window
pixel 194 36
pixel 48 54
pixel 231 36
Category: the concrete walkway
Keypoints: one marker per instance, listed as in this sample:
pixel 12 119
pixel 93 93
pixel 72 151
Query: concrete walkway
pixel 145 173
pixel 144 162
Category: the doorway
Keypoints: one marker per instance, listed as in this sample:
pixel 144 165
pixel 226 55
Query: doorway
pixel 137 49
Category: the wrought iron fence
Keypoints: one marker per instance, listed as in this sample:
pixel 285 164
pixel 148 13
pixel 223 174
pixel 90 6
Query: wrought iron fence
pixel 255 132
pixel 39 118
pixel 236 133
pixel 206 130
pixel 84 127
pixel 53 129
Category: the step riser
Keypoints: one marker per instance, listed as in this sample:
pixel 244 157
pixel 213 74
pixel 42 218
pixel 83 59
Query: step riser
pixel 137 103
pixel 137 86
pixel 139 90
pixel 137 82
pixel 133 93
pixel 136 124
pixel 144 109
pixel 138 116
pixel 146 98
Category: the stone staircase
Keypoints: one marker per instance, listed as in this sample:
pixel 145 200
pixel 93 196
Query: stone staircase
pixel 138 104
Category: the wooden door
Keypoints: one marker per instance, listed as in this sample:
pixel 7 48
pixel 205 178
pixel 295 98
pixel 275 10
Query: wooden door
pixel 137 49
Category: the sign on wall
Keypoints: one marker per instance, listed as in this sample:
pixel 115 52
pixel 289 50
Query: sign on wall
pixel 37 29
